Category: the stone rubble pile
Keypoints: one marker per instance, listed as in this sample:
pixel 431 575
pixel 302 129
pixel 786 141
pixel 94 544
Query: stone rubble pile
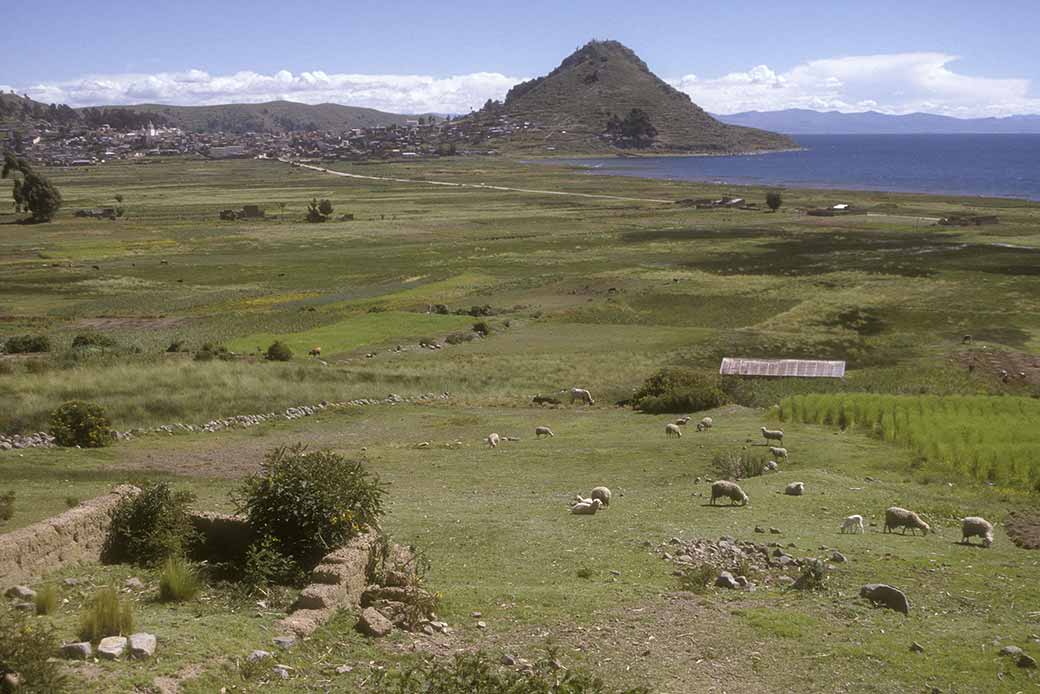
pixel 768 563
pixel 44 440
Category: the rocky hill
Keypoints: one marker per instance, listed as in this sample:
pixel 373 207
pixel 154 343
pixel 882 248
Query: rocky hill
pixel 588 103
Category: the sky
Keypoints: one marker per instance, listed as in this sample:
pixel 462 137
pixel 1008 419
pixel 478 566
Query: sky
pixel 957 57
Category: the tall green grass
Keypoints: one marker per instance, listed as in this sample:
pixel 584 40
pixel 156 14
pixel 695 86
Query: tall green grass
pixel 993 439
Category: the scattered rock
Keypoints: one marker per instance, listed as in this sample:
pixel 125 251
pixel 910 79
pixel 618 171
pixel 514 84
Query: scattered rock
pixel 287 641
pixel 71 582
pixel 1011 650
pixel 482 625
pixel 886 596
pixel 726 580
pixel 142 645
pixel 281 671
pixel 759 529
pixel 838 558
pixel 134 583
pixel 916 647
pixel 112 647
pixel 80 650
pixel 774 531
pixel 373 623
pixel 21 593
pixel 344 669
pixel 24 606
pixel 476 615
pixel 258 655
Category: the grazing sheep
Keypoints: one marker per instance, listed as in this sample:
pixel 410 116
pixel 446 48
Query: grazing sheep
pixel 705 424
pixel 683 421
pixel 586 507
pixel 974 526
pixel 583 395
pixel 773 435
pixel 778 452
pixel 896 517
pixel 672 430
pixel 315 352
pixel 771 465
pixel 603 494
pixel 794 489
pixel 493 440
pixel 539 432
pixel 730 490
pixel 852 524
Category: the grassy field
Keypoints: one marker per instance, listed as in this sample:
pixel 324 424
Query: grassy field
pixel 592 292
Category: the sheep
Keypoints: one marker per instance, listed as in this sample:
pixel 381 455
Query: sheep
pixel 730 490
pixel 896 517
pixel 315 352
pixel 778 452
pixel 773 435
pixel 672 430
pixel 539 432
pixel 583 395
pixel 794 489
pixel 493 440
pixel 974 526
pixel 586 507
pixel 683 421
pixel 852 524
pixel 602 494
pixel 705 424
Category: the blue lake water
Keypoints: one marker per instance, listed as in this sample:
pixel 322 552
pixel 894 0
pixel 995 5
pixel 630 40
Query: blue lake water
pixel 976 165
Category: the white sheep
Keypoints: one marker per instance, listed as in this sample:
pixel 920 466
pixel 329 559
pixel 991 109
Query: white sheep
pixel 539 432
pixel 778 452
pixel 583 395
pixel 730 490
pixel 683 421
pixel 493 439
pixel 773 435
pixel 852 524
pixel 603 494
pixel 794 488
pixel 705 424
pixel 586 506
pixel 975 526
pixel 672 430
pixel 896 517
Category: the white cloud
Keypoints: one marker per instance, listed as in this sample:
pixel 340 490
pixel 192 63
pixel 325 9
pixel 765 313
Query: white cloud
pixel 396 93
pixel 895 83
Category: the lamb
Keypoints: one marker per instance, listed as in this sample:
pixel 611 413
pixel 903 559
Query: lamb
pixel 773 435
pixel 975 526
pixel 896 517
pixel 586 507
pixel 539 432
pixel 493 439
pixel 603 494
pixel 852 524
pixel 778 452
pixel 315 352
pixel 683 421
pixel 705 424
pixel 672 430
pixel 583 395
pixel 730 490
pixel 795 489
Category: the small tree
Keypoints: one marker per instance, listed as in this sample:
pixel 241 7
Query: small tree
pixel 325 207
pixel 81 424
pixel 31 191
pixel 314 211
pixel 278 351
pixel 774 200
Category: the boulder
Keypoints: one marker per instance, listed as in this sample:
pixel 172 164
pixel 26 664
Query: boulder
pixel 112 647
pixel 80 650
pixel 21 593
pixel 287 641
pixel 373 623
pixel 838 558
pixel 886 596
pixel 142 645
pixel 258 655
pixel 726 580
pixel 1011 650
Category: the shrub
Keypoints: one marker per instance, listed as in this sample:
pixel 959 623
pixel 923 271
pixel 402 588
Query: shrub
pixel 477 673
pixel 737 466
pixel 88 340
pixel 81 424
pixel 177 346
pixel 482 328
pixel 265 563
pixel 459 338
pixel 178 581
pixel 27 647
pixel 37 366
pixel 105 615
pixel 6 506
pixel 150 527
pixel 278 351
pixel 774 199
pixel 679 390
pixel 46 600
pixel 440 309
pixel 696 579
pixel 71 501
pixel 210 351
pixel 310 501
pixel 27 344
pixel 813 575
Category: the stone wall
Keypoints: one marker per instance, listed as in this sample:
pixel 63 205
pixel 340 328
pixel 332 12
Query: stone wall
pixel 76 535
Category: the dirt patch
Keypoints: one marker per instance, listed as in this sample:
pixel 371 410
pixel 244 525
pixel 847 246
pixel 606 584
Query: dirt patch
pixel 1024 529
pixel 1021 367
pixel 128 323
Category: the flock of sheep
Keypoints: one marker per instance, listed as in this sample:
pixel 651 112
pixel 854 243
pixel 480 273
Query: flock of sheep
pixel 895 517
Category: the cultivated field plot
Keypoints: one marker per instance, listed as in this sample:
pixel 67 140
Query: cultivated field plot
pixel 517 294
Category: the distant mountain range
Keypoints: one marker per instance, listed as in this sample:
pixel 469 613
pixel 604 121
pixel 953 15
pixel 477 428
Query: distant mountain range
pixel 797 121
pixel 580 107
